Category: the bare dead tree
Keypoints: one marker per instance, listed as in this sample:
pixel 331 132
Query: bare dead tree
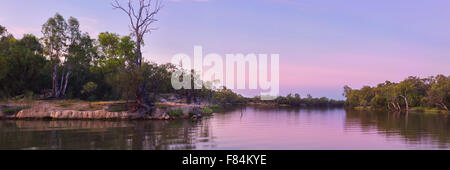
pixel 141 18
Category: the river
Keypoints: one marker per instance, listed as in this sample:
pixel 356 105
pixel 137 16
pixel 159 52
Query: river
pixel 242 128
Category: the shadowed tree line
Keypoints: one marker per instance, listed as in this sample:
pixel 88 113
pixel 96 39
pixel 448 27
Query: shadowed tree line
pixel 431 92
pixel 297 101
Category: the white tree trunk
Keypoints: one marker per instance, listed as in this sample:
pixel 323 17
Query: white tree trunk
pixel 65 84
pixel 398 107
pixel 60 88
pixel 443 106
pixel 406 102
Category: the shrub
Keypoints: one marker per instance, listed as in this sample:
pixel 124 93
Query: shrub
pixel 117 108
pixel 65 104
pixel 206 110
pixel 14 110
pixel 217 108
pixel 175 113
pixel 89 87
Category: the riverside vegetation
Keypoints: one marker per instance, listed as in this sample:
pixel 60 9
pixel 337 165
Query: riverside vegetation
pixel 67 69
pixel 430 94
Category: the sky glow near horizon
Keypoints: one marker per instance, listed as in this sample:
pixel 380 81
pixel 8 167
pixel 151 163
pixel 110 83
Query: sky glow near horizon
pixel 323 44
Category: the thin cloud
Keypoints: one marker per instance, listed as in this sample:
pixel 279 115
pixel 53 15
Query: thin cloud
pixel 20 31
pixel 90 25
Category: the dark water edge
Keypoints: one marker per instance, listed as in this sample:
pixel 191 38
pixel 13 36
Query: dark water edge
pixel 238 128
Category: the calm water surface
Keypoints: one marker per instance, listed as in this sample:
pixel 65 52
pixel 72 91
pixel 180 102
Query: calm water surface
pixel 239 128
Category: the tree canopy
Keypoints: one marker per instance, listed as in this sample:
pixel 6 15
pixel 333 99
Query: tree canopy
pixel 433 91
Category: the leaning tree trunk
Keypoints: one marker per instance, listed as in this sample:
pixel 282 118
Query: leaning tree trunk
pixel 406 102
pixel 395 106
pixel 60 87
pixel 399 108
pixel 63 92
pixel 443 105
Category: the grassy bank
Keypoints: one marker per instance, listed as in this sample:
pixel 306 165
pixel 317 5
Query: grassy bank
pixel 427 110
pixel 411 109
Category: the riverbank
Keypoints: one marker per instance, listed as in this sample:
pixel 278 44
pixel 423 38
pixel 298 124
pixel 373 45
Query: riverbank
pixel 412 109
pixel 427 110
pixel 105 110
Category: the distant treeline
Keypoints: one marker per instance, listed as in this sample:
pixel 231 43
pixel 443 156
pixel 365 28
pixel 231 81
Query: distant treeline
pixel 227 96
pixel 431 92
pixel 296 101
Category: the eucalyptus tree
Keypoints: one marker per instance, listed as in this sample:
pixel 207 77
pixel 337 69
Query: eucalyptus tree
pixel 55 39
pixel 116 55
pixel 79 60
pixel 439 93
pixel 2 30
pixel 63 46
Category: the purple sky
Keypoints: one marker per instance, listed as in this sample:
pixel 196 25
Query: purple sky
pixel 323 44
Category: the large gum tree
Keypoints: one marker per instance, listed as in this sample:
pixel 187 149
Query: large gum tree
pixel 59 38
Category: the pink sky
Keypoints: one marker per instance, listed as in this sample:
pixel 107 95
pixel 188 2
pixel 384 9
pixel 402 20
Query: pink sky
pixel 323 44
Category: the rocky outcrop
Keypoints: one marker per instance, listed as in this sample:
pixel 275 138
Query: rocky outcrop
pixel 49 111
pixel 34 113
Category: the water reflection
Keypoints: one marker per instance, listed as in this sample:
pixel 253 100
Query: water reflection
pixel 239 128
pixel 136 135
pixel 414 128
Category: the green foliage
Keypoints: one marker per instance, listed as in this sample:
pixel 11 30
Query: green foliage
pixel 419 93
pixel 14 110
pixel 22 62
pixel 206 110
pixel 67 103
pixel 191 113
pixel 216 108
pixel 2 30
pixel 175 113
pixel 426 108
pixel 55 37
pixel 89 87
pixel 226 96
pixel 118 109
pixel 297 101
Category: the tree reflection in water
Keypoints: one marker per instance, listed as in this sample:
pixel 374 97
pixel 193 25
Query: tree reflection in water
pixel 413 127
pixel 136 135
pixel 239 128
